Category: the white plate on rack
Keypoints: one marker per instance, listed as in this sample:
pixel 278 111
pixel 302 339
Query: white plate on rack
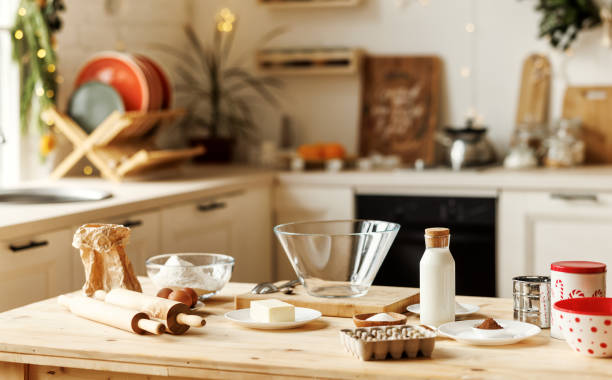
pixel 514 331
pixel 461 309
pixel 303 315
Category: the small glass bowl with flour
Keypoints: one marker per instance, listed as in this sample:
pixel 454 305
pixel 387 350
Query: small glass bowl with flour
pixel 206 273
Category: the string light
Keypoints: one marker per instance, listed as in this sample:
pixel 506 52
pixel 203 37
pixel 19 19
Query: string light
pixel 40 91
pixel 59 79
pixel 51 68
pixel 41 53
pixel 226 20
pixel 18 34
pixel 50 94
pixel 22 12
pixel 88 170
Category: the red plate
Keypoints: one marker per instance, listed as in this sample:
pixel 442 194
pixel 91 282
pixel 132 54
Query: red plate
pixel 122 73
pixel 155 86
pixel 163 78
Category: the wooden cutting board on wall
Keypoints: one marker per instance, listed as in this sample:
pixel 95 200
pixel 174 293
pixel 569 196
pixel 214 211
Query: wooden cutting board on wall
pixel 378 300
pixel 399 106
pixel 534 94
pixel 593 105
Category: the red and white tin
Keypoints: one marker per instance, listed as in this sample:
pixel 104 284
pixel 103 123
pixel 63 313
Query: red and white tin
pixel 574 279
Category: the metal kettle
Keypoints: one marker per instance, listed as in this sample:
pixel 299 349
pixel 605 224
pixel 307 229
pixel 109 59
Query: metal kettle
pixel 466 146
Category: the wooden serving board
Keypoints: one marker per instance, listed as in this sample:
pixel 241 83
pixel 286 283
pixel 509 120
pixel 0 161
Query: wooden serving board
pixel 593 105
pixel 535 90
pixel 378 300
pixel 400 100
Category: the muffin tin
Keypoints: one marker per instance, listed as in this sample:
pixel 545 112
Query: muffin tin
pixel 378 343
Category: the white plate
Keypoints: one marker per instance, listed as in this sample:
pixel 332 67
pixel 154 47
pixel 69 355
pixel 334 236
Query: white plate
pixel 462 332
pixel 302 316
pixel 461 309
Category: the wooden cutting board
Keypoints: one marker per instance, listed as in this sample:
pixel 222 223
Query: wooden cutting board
pixel 379 299
pixel 400 100
pixel 593 105
pixel 535 90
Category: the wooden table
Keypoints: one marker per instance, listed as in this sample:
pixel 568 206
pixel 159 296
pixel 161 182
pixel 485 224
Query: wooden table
pixel 44 341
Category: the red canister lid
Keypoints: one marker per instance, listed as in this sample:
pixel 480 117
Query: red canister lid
pixel 578 267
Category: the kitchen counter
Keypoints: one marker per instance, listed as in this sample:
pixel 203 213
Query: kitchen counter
pixel 43 340
pixel 193 182
pixel 190 183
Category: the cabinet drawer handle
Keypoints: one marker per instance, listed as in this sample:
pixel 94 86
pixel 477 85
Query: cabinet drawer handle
pixel 132 223
pixel 30 245
pixel 211 206
pixel 575 197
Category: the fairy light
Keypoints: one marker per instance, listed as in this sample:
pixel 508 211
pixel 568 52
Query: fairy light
pixel 41 53
pixel 59 79
pixel 51 68
pixel 50 93
pixel 22 12
pixel 225 20
pixel 40 91
pixel 88 170
pixel 18 34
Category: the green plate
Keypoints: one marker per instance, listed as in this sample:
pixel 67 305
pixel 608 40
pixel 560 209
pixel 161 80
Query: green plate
pixel 92 102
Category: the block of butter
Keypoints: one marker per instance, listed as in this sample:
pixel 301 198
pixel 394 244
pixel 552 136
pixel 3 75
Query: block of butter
pixel 272 310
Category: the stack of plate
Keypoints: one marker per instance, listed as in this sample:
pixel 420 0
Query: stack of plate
pixel 113 81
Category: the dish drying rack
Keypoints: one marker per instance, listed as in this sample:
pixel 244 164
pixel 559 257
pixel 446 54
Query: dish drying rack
pixel 121 145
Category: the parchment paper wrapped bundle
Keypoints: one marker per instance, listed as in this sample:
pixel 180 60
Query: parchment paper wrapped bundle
pixel 106 263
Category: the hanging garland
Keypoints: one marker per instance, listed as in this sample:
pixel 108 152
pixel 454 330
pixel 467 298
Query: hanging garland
pixel 34 52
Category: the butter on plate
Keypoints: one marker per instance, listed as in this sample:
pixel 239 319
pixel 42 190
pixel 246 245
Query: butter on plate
pixel 272 311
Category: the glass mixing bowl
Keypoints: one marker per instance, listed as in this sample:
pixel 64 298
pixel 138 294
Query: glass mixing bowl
pixel 206 273
pixel 337 258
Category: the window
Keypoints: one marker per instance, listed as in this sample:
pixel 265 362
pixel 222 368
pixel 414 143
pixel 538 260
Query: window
pixel 9 98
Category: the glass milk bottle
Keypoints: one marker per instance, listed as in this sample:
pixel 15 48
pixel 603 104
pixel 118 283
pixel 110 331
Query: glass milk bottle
pixel 437 279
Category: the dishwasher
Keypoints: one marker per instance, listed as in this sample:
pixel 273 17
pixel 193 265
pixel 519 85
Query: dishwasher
pixel 472 224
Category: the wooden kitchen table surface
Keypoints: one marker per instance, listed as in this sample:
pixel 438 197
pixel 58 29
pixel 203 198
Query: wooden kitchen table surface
pixel 44 341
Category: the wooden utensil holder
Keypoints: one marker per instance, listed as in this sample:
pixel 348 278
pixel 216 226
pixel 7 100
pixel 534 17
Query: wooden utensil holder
pixel 121 145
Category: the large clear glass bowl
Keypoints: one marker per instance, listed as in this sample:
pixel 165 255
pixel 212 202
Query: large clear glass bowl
pixel 206 273
pixel 337 258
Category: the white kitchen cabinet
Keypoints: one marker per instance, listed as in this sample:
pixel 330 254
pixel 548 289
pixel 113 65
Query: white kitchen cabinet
pixel 303 203
pixel 144 242
pixel 537 228
pixel 33 268
pixel 238 224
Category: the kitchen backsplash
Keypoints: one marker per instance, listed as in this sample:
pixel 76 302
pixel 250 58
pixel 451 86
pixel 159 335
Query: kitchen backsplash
pixel 481 66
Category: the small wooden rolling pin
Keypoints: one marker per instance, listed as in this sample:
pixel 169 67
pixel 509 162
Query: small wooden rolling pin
pixel 111 315
pixel 174 314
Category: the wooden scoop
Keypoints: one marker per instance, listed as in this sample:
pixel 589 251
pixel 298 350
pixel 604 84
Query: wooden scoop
pixel 111 315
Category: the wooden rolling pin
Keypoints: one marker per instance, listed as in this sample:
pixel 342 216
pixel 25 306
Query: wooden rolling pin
pixel 175 314
pixel 111 315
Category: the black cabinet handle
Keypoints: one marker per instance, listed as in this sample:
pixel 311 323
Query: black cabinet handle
pixel 30 245
pixel 132 223
pixel 211 206
pixel 574 197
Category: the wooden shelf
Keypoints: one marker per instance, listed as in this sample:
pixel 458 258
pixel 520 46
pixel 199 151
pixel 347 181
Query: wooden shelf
pixel 315 61
pixel 289 4
pixel 121 145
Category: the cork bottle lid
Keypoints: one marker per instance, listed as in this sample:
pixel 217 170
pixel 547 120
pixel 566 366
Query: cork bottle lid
pixel 437 231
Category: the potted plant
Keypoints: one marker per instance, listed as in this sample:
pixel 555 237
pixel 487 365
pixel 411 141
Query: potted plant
pixel 217 92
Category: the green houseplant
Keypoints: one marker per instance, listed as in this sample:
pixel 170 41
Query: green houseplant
pixel 218 92
pixel 562 20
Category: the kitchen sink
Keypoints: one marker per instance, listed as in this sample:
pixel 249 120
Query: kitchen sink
pixel 52 195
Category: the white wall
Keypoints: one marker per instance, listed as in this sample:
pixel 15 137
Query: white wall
pixel 327 108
